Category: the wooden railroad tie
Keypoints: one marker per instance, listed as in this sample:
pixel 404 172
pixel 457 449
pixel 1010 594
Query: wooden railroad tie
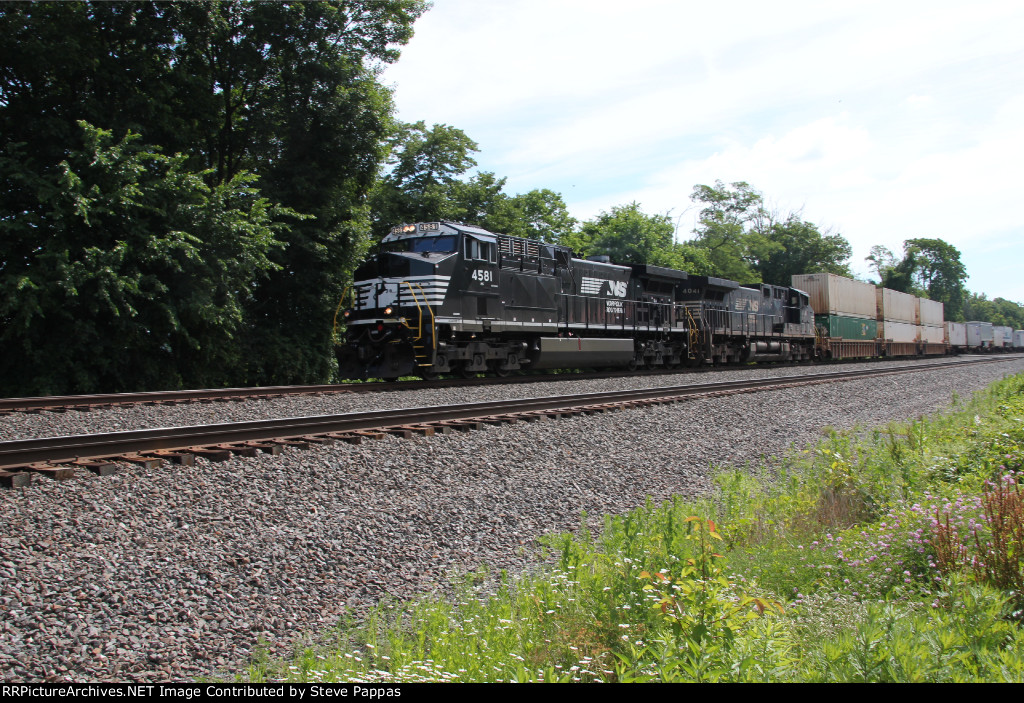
pixel 182 458
pixel 57 473
pixel 15 479
pixel 100 468
pixel 146 462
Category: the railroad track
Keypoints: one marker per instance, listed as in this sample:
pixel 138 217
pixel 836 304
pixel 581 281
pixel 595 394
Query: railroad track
pixel 60 457
pixel 84 403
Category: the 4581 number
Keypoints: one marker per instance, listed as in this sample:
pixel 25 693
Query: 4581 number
pixel 482 275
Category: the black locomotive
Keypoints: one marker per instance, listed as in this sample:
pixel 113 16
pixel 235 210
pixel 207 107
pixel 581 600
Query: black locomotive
pixel 443 297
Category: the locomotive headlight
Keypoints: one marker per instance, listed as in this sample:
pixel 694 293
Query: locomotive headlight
pixel 347 314
pixel 388 310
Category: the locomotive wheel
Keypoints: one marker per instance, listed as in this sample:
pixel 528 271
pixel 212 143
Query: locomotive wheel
pixel 429 375
pixel 464 371
pixel 500 372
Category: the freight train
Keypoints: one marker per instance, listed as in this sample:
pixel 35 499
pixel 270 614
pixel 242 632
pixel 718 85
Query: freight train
pixel 449 298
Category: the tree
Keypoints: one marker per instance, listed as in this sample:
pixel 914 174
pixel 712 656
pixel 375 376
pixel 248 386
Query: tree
pixel 999 311
pixel 424 166
pixel 929 267
pixel 426 181
pixel 538 214
pixel 882 261
pixel 800 248
pixel 285 91
pixel 724 230
pixel 627 235
pixel 746 242
pixel 939 272
pixel 144 275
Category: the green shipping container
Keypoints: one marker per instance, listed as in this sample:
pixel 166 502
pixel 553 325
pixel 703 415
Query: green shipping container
pixel 847 327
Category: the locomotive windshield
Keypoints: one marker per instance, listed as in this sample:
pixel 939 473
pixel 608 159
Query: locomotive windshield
pixel 421 244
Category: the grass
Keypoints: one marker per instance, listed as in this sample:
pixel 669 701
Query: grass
pixel 886 555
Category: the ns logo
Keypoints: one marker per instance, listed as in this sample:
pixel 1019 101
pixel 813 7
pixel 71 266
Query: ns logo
pixel 594 286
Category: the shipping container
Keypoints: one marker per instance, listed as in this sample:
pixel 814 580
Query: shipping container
pixel 979 334
pixel 930 312
pixel 842 327
pixel 835 295
pixel 956 334
pixel 897 331
pixel 933 334
pixel 896 306
pixel 1018 339
pixel 1002 336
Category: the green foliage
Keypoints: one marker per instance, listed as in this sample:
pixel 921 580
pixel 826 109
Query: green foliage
pixel 798 247
pixel 144 276
pixel 424 165
pixel 746 243
pixel 967 638
pixel 998 311
pixel 287 92
pixel 537 214
pixel 929 268
pixel 426 183
pixel 706 615
pixel 629 236
pixel 724 231
pixel 844 533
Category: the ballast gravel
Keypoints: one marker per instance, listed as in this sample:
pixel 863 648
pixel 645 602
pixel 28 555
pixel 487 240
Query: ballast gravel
pixel 175 573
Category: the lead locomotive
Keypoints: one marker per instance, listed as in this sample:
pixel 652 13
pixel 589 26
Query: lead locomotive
pixel 443 297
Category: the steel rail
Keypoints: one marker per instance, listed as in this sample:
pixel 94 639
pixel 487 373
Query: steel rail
pixel 85 447
pixel 68 402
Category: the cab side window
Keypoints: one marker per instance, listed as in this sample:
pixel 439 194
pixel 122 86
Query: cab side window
pixel 480 251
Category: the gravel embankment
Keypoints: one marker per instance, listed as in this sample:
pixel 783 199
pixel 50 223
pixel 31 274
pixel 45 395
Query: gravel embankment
pixel 27 425
pixel 174 573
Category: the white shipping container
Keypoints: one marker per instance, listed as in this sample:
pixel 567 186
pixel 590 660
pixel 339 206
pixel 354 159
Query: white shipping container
pixel 1002 336
pixel 1018 339
pixel 979 334
pixel 956 334
pixel 929 312
pixel 933 334
pixel 896 306
pixel 896 331
pixel 835 295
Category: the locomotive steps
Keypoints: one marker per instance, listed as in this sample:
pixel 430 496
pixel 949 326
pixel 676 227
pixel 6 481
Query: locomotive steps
pixel 58 457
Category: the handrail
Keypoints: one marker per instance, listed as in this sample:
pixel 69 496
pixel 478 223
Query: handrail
pixel 334 327
pixel 433 325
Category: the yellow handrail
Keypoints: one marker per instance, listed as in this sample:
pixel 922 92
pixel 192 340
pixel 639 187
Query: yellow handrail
pixel 433 326
pixel 419 310
pixel 334 328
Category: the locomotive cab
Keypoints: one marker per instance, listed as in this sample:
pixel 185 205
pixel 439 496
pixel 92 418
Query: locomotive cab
pixel 390 329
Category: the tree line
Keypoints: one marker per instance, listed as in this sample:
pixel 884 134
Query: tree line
pixel 185 189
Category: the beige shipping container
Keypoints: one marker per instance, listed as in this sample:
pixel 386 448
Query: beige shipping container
pixel 835 295
pixel 898 331
pixel 956 334
pixel 896 306
pixel 934 334
pixel 930 312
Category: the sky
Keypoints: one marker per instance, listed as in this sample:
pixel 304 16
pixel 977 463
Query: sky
pixel 882 121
